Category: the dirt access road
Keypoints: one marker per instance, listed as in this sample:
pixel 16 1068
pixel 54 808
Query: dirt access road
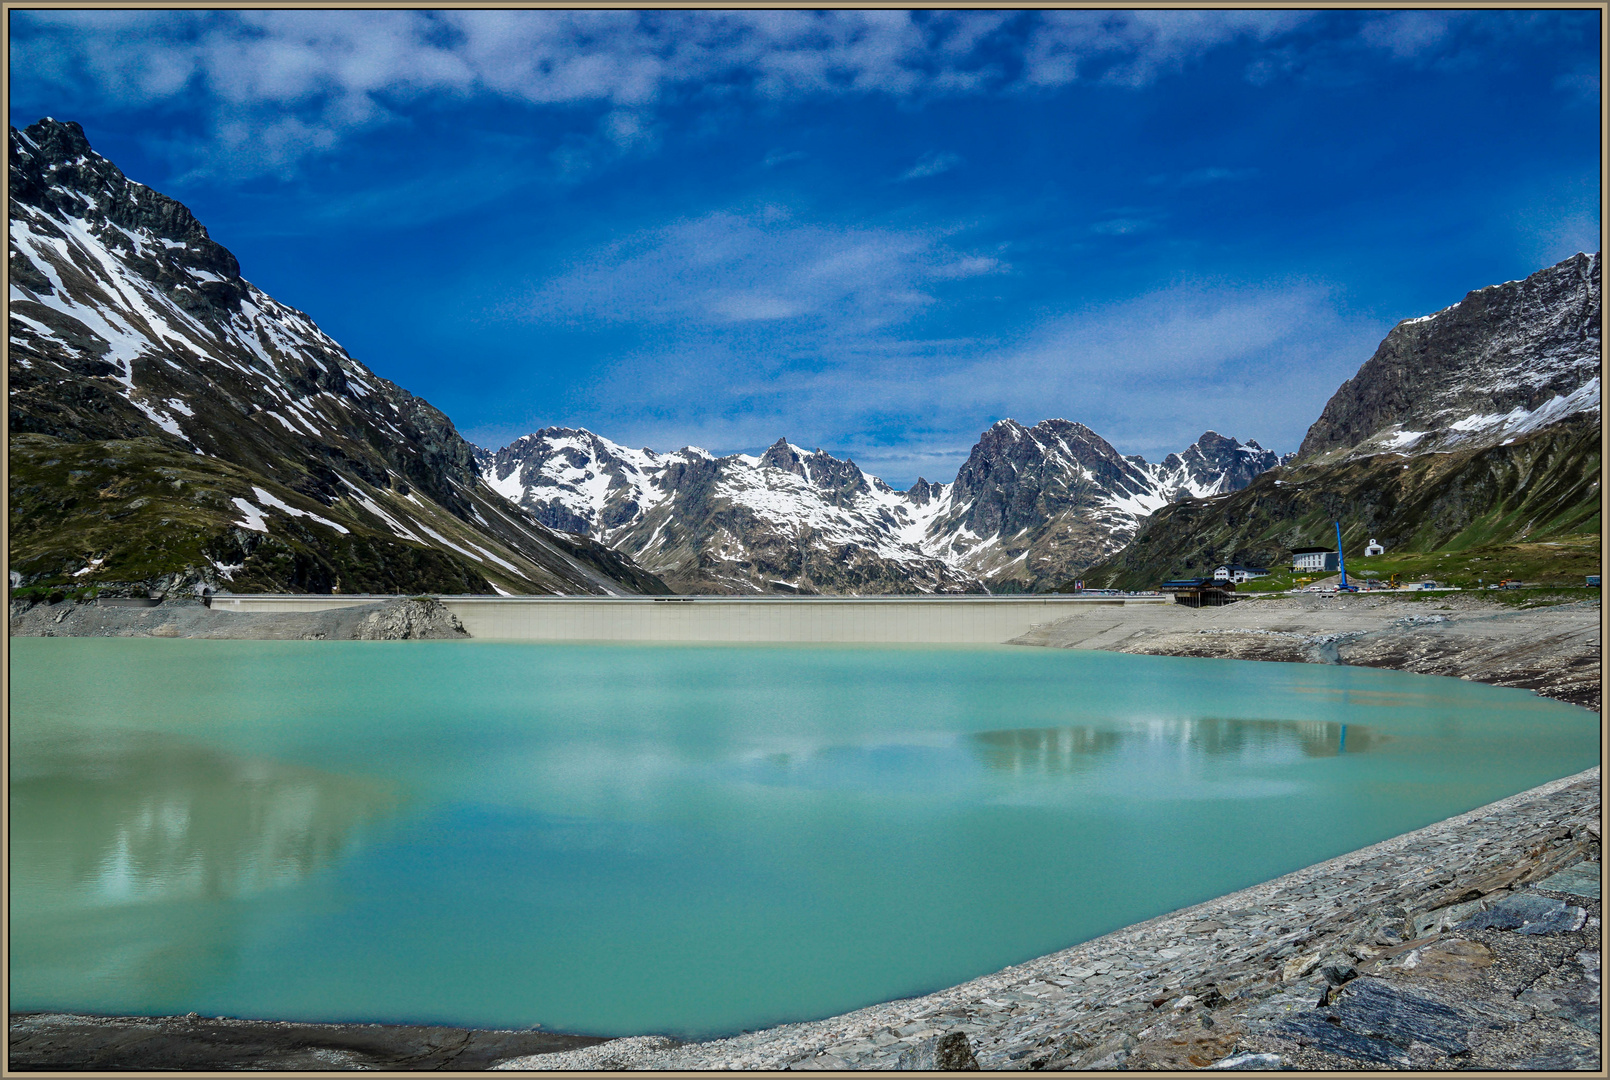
pixel 1554 650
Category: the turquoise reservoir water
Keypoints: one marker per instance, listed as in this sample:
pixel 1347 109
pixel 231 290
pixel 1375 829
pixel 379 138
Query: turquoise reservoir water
pixel 692 840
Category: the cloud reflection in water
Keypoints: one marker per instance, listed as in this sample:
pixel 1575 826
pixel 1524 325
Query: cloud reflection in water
pixel 159 820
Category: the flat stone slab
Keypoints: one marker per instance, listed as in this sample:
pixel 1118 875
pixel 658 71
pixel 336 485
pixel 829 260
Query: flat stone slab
pixel 1580 880
pixel 1377 1009
pixel 1528 913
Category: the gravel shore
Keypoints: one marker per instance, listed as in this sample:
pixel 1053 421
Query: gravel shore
pixel 1554 650
pixel 404 618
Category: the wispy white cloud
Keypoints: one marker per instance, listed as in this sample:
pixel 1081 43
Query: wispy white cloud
pixel 777 158
pixel 1132 48
pixel 1150 373
pixel 757 265
pixel 932 164
pixel 1555 223
pixel 279 85
pixel 1411 35
pixel 1582 84
pixel 1123 226
pixel 1215 174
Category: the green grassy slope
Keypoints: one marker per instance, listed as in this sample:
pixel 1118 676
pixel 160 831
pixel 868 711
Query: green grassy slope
pixel 149 512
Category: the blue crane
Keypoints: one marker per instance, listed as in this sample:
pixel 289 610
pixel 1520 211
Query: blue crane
pixel 1341 563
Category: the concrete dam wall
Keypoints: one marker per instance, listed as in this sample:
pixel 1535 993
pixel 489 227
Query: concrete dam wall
pixel 893 619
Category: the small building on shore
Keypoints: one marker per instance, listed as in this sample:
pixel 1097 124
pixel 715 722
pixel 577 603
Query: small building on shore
pixel 1199 592
pixel 1315 558
pixel 1239 574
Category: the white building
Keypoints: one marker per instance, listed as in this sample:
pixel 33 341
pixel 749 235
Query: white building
pixel 1373 548
pixel 1237 573
pixel 1316 559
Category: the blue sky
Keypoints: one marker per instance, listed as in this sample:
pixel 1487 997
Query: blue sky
pixel 876 232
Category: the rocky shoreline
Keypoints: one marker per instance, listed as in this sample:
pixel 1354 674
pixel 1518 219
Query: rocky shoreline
pixel 1554 650
pixel 405 618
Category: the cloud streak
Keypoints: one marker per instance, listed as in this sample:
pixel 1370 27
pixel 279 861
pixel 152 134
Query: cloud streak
pixel 278 86
pixel 757 266
pixel 932 164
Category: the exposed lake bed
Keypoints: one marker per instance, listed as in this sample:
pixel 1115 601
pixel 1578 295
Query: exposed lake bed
pixel 1550 647
pixel 804 770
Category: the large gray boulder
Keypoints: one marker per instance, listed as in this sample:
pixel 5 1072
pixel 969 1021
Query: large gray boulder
pixel 407 619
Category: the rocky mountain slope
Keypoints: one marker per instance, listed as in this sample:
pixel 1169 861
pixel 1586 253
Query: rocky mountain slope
pixel 1478 425
pixel 172 425
pixel 1505 361
pixel 1029 506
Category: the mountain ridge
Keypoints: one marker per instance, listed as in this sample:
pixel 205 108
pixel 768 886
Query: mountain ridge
pixel 1027 505
pixel 1475 426
pixel 138 350
pixel 1507 359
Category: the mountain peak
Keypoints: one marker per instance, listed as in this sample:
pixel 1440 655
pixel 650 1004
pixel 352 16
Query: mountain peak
pixel 57 140
pixel 1215 464
pixel 1504 360
pixel 1030 504
pixel 55 170
pixel 305 470
pixel 781 455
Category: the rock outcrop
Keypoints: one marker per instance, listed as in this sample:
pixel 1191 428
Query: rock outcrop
pixel 414 618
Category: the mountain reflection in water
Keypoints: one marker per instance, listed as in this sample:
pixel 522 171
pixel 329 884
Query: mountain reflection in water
pixel 156 819
pixel 1058 750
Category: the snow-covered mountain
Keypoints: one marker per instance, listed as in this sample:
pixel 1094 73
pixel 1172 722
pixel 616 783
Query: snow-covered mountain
pixel 1029 507
pixel 171 424
pixel 1505 361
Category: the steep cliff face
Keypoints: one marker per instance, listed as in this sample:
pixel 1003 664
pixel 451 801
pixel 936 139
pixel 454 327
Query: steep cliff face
pixel 1029 506
pixel 217 435
pixel 1476 426
pixel 1504 361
